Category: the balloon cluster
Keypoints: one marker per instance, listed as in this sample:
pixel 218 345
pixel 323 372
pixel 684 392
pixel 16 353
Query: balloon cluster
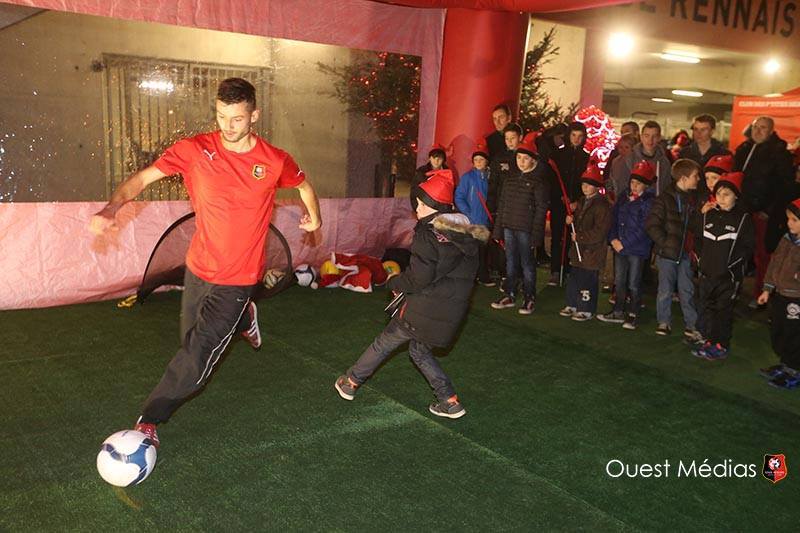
pixel 600 135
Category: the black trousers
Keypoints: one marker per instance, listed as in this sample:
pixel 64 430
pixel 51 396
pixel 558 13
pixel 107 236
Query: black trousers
pixel 785 329
pixel 211 315
pixel 717 296
pixel 582 289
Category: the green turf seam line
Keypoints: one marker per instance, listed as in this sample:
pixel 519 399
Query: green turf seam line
pixel 42 358
pixel 498 457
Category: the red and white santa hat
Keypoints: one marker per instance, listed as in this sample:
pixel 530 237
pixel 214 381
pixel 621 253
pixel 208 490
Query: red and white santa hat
pixel 480 149
pixel 592 175
pixel 794 207
pixel 528 146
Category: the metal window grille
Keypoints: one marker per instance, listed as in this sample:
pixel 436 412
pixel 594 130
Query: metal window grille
pixel 150 103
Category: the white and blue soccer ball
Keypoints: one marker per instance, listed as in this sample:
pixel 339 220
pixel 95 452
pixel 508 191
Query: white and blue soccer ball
pixel 126 458
pixel 305 274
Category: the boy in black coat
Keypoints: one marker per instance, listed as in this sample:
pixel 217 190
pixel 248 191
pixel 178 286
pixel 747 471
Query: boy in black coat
pixel 437 286
pixel 724 241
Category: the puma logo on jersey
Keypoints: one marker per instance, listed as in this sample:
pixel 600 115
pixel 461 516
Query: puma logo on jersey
pixel 210 155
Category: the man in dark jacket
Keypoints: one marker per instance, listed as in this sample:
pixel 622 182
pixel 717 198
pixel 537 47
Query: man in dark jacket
pixel 520 223
pixel 495 141
pixel 767 167
pixel 668 226
pixel 436 286
pixel 571 160
pixel 703 146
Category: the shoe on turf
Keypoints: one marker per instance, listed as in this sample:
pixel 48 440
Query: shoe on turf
pixel 612 299
pixel 450 408
pixel 693 335
pixel 528 306
pixel 614 317
pixel 699 350
pixel 630 322
pixel 553 281
pixel 772 371
pixel 663 329
pixel 487 283
pixel 253 333
pixel 504 303
pixel 345 387
pixel 787 380
pixel 150 431
pixel 715 352
pixel 567 311
pixel 582 316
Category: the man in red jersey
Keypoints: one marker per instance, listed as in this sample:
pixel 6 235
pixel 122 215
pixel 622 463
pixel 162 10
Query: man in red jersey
pixel 231 176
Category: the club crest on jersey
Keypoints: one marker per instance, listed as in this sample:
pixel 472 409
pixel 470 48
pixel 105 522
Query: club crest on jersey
pixel 259 171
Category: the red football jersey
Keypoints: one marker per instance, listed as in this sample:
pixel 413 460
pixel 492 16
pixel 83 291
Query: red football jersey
pixel 232 195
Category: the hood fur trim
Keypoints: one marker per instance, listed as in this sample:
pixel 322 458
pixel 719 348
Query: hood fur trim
pixel 459 223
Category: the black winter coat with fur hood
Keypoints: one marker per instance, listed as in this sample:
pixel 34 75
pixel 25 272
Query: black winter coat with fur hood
pixel 439 280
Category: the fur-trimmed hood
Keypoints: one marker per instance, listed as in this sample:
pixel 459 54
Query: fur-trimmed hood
pixel 459 223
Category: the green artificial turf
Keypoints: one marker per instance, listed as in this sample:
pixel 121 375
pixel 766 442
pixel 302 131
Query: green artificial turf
pixel 270 446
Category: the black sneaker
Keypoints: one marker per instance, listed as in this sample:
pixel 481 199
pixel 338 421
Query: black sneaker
pixel 614 317
pixel 553 281
pixel 772 372
pixel 528 306
pixel 630 322
pixel 567 311
pixel 663 329
pixel 345 387
pixel 451 408
pixel 252 334
pixel 504 303
pixel 487 283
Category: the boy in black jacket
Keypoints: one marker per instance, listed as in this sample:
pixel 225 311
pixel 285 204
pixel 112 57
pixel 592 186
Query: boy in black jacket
pixel 724 241
pixel 437 286
pixel 520 223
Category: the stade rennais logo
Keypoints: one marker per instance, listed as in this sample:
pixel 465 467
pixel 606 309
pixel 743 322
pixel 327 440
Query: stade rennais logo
pixel 775 467
pixel 259 171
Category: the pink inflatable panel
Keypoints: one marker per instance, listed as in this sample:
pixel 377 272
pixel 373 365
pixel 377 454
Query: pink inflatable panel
pixel 50 258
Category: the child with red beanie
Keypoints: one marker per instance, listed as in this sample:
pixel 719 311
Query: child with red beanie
pixel 436 286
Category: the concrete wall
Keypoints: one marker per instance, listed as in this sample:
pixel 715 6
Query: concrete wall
pixel 567 65
pixel 52 140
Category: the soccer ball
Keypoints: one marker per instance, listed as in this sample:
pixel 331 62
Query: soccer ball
pixel 126 458
pixel 305 275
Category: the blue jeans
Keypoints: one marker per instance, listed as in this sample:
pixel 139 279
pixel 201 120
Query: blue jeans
pixel 392 337
pixel 671 274
pixel 628 281
pixel 519 253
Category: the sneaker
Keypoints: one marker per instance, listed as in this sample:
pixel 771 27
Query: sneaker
pixel 150 431
pixel 450 408
pixel 488 283
pixel 715 352
pixel 630 322
pixel 345 387
pixel 607 288
pixel 614 317
pixel 553 281
pixel 693 335
pixel 663 329
pixel 786 380
pixel 528 306
pixel 700 350
pixel 612 299
pixel 582 316
pixel 772 371
pixel 503 303
pixel 567 311
pixel 252 334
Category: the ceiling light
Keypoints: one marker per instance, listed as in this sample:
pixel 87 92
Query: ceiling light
pixel 773 95
pixel 680 57
pixel 692 94
pixel 663 100
pixel 620 44
pixel 772 66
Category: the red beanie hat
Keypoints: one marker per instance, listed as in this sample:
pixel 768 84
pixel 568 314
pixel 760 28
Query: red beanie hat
pixel 794 207
pixel 644 171
pixel 719 164
pixel 528 146
pixel 592 175
pixel 437 190
pixel 480 149
pixel 437 148
pixel 731 180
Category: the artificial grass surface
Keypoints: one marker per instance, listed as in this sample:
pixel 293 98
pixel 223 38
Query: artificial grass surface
pixel 270 446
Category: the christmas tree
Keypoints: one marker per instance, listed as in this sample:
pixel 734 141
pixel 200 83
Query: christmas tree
pixel 385 88
pixel 536 110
